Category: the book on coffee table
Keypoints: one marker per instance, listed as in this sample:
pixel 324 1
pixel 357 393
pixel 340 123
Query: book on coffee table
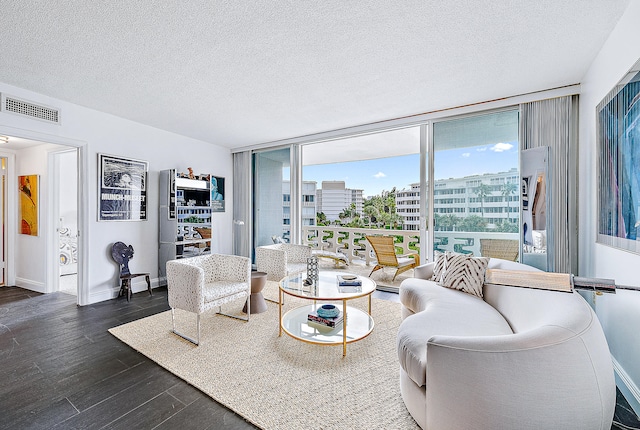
pixel 349 281
pixel 325 321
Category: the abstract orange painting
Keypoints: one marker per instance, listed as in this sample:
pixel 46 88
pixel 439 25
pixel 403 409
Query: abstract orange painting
pixel 28 190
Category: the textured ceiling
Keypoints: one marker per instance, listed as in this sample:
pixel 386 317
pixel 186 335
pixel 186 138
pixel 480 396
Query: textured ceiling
pixel 239 73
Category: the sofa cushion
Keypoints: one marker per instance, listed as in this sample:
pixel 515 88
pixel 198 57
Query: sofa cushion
pixel 446 312
pixel 464 273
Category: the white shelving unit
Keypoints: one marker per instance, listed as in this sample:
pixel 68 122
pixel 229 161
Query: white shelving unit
pixel 185 218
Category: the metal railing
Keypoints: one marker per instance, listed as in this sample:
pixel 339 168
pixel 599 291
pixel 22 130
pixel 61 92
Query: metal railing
pixel 353 244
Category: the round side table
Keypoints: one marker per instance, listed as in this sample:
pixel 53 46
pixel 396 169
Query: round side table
pixel 258 304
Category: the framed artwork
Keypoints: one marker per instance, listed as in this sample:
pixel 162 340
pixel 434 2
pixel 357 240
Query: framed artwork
pixel 217 193
pixel 122 189
pixel 618 139
pixel 29 190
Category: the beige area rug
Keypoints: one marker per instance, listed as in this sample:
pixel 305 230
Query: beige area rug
pixel 280 382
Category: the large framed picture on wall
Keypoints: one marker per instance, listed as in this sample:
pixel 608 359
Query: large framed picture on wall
pixel 122 188
pixel 618 137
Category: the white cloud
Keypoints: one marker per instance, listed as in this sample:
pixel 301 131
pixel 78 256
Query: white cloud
pixel 501 147
pixel 466 155
pixel 481 149
pixel 379 175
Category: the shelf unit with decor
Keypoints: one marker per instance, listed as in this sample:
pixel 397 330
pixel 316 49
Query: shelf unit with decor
pixel 185 218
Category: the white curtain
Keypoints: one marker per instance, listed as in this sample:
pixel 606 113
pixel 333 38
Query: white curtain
pixel 554 123
pixel 242 203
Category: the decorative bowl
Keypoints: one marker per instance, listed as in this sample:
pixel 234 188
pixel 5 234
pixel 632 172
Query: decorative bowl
pixel 328 311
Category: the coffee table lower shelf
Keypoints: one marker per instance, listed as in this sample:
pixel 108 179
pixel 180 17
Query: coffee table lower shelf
pixel 359 324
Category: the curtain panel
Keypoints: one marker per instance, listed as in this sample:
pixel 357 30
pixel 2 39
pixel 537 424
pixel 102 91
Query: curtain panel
pixel 554 123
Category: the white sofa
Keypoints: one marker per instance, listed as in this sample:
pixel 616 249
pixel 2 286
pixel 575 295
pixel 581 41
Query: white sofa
pixel 518 358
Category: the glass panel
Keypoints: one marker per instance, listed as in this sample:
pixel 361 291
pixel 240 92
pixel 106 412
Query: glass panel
pixel 475 195
pixel 360 185
pixel 271 219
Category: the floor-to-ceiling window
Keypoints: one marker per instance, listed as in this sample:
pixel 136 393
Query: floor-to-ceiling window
pixel 271 196
pixel 476 178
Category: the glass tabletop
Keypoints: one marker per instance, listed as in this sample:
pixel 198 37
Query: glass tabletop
pixel 327 287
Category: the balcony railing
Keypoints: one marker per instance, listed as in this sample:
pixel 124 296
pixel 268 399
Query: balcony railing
pixel 353 244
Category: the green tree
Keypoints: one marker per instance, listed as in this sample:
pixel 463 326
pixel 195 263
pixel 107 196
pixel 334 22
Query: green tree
pixel 473 223
pixel 508 189
pixel 321 218
pixel 446 222
pixel 507 227
pixel 482 191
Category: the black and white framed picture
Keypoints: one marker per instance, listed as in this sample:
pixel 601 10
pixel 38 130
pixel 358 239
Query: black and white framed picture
pixel 122 188
pixel 217 193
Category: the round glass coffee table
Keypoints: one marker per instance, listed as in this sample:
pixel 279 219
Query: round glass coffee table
pixel 356 323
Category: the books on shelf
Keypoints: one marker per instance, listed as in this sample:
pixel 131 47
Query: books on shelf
pixel 332 322
pixel 349 281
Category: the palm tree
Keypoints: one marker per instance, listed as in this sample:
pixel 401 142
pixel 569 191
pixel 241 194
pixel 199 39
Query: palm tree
pixel 482 191
pixel 508 189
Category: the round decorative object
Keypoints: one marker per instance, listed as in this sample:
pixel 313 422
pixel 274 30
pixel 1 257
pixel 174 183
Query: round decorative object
pixel 328 311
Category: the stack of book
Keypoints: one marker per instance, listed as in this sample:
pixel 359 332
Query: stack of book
pixel 332 322
pixel 349 281
pixel 349 284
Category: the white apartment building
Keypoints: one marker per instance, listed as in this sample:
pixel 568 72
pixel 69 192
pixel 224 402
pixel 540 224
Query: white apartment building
pixel 334 197
pixel 458 196
pixel 308 205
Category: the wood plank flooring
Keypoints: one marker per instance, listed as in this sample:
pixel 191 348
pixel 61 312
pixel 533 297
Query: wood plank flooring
pixel 61 369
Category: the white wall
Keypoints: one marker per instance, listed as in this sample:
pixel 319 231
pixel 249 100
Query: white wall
pixel 619 314
pixel 103 133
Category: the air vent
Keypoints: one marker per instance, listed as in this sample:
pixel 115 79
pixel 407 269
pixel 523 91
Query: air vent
pixel 32 110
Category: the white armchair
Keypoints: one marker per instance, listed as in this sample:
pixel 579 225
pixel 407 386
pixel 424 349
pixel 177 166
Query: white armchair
pixel 281 259
pixel 199 284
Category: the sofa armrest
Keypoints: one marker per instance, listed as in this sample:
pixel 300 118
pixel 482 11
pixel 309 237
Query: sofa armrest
pixel 549 377
pixel 185 283
pixel 424 271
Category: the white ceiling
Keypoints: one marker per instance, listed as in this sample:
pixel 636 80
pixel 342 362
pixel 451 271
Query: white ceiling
pixel 239 73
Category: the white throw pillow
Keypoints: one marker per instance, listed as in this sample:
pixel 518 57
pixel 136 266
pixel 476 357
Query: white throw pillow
pixel 464 273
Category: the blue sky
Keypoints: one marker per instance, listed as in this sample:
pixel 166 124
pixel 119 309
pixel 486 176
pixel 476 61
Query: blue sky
pixel 373 176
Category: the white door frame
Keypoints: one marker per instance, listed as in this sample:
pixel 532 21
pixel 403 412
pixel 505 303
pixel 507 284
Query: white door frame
pixel 11 217
pixel 50 218
pixel 53 225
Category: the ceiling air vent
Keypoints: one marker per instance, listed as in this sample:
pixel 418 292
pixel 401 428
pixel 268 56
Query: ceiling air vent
pixel 32 110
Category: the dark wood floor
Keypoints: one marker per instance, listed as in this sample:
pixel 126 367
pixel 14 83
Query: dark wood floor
pixel 60 368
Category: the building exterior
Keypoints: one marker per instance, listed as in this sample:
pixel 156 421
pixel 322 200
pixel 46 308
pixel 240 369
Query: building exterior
pixel 458 196
pixel 334 197
pixel 309 208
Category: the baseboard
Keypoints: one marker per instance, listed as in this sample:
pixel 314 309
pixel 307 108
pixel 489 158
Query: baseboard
pixel 627 387
pixel 137 285
pixel 28 284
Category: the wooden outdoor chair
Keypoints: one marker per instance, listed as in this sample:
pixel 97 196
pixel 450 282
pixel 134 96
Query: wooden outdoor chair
pixel 505 249
pixel 385 250
pixel 121 254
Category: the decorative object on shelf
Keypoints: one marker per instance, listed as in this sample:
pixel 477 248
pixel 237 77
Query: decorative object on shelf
pixel 328 311
pixel 122 189
pixel 313 272
pixel 28 187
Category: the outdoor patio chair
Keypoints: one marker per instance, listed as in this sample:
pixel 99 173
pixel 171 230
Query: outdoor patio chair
pixel 385 251
pixel 505 249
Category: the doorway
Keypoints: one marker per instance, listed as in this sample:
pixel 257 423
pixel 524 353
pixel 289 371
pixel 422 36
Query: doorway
pixel 3 240
pixel 65 172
